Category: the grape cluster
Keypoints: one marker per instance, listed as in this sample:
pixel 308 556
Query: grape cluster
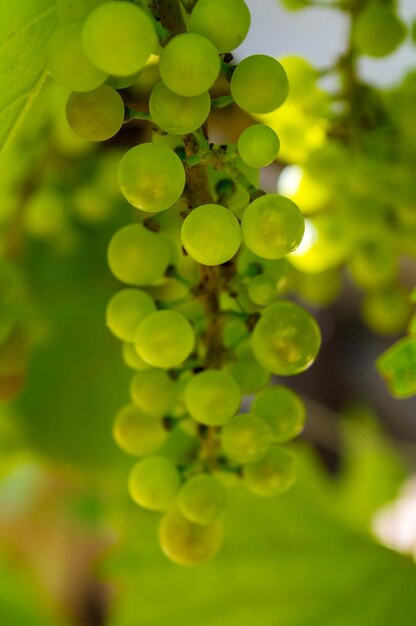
pixel 201 315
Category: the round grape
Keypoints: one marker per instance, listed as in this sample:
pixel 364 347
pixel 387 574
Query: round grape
pixel 151 177
pixel 272 226
pixel 202 499
pixel 286 339
pixel 75 10
pixel 138 433
pixel 262 290
pixel 164 339
pixel 283 411
pixel 125 310
pixel 272 475
pixel 225 22
pixel 95 115
pixel 153 392
pixel 211 234
pixel 154 483
pixel 258 145
pixel 212 397
pixel 247 371
pixel 378 31
pixel 176 114
pixel 246 438
pixel 259 84
pixel 132 359
pixel 386 312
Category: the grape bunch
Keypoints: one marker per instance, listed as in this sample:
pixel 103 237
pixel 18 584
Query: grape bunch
pixel 202 315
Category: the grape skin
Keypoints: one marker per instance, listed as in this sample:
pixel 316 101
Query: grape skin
pixel 212 397
pixel 258 145
pixel 153 392
pixel 154 483
pixel 95 115
pixel 202 499
pixel 125 310
pixel 177 114
pixel 138 433
pixel 272 475
pixel 225 22
pixel 259 84
pixel 164 339
pixel 246 438
pixel 282 410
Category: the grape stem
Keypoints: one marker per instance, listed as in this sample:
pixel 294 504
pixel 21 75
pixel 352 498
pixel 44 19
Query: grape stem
pixel 221 102
pixel 130 114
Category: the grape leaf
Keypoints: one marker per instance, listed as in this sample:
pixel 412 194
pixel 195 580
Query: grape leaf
pixel 25 27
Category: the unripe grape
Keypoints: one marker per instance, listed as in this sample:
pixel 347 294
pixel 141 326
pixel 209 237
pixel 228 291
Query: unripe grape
pixel 282 410
pixel 202 499
pixel 262 290
pixel 272 475
pixel 211 234
pixel 75 10
pixel 95 115
pixel 247 371
pixel 132 359
pixel 153 391
pixel 138 433
pixel 286 339
pixel 373 265
pixel 189 64
pixel 151 177
pixel 212 397
pixel 154 483
pixel 176 114
pixel 302 77
pixel 259 84
pixel 272 226
pixel 118 38
pixel 387 312
pixel 378 31
pixel 246 438
pixel 224 22
pixel 164 339
pixel 125 310
pixel 138 256
pixel 258 145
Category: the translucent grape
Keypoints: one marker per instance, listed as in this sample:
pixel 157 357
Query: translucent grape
pixel 189 64
pixel 286 339
pixel 247 371
pixel 272 226
pixel 95 115
pixel 378 31
pixel 282 410
pixel 177 114
pixel 262 290
pixel 302 77
pixel 202 499
pixel 67 62
pixel 122 82
pixel 259 84
pixel 224 22
pixel 132 359
pixel 151 177
pixel 211 234
pixel 125 310
pixel 119 38
pixel 387 312
pixel 138 256
pixel 138 433
pixel 154 483
pixel 75 10
pixel 186 543
pixel 272 475
pixel 373 265
pixel 164 339
pixel 212 397
pixel 258 145
pixel 246 438
pixel 153 391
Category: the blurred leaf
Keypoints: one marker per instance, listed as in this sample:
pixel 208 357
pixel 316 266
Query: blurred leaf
pixel 398 367
pixel 25 27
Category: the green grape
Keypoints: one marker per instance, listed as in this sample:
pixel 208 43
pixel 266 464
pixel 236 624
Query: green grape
pixel 211 234
pixel 387 312
pixel 125 310
pixel 122 82
pixel 119 38
pixel 286 339
pixel 153 392
pixel 225 22
pixel 320 289
pixel 138 256
pixel 202 499
pixel 234 332
pixel 272 226
pixel 246 438
pixel 154 483
pixel 177 114
pixel 212 397
pixel 186 543
pixel 283 411
pixel 151 177
pixel 67 62
pixel 247 371
pixel 272 475
pixel 262 290
pixel 138 433
pixel 259 84
pixel 378 31
pixel 258 145
pixel 95 115
pixel 295 5
pixel 75 10
pixel 164 339
pixel 132 359
pixel 302 78
pixel 373 265
pixel 189 64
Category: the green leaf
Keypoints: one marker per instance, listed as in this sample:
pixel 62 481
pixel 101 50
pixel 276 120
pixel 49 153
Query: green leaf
pixel 25 27
pixel 398 367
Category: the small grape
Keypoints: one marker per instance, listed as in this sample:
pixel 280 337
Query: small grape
pixel 75 10
pixel 247 371
pixel 138 256
pixel 211 234
pixel 154 483
pixel 258 145
pixel 189 64
pixel 378 31
pixel 224 22
pixel 259 84
pixel 262 290
pixel 373 265
pixel 246 438
pixel 302 77
pixel 387 312
pixel 186 543
pixel 283 411
pixel 132 359
pixel 125 310
pixel 164 339
pixel 67 62
pixel 119 38
pixel 122 82
pixel 153 392
pixel 272 226
pixel 286 339
pixel 151 177
pixel 272 475
pixel 138 433
pixel 202 499
pixel 176 114
pixel 212 397
pixel 95 115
